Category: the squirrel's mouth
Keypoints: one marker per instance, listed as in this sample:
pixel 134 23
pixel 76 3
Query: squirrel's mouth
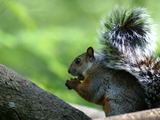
pixel 80 77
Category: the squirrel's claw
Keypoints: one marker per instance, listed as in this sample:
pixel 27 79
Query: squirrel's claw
pixel 67 84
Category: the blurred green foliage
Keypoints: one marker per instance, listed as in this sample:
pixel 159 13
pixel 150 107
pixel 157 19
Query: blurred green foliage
pixel 40 38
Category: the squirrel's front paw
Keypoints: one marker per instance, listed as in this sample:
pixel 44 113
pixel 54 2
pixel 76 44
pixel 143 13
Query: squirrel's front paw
pixel 72 83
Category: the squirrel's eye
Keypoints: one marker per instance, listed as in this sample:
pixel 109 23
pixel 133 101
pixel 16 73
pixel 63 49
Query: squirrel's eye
pixel 78 60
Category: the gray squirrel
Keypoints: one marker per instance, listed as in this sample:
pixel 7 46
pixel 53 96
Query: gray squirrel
pixel 124 77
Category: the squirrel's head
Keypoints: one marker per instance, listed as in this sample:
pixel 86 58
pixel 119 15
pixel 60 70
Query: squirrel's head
pixel 82 63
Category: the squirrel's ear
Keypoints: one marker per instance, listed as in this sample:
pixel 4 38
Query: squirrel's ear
pixel 90 52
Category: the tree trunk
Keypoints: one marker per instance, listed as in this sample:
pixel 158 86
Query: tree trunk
pixel 21 99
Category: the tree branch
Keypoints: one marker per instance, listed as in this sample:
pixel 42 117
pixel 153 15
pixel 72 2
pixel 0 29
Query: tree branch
pixel 152 114
pixel 21 99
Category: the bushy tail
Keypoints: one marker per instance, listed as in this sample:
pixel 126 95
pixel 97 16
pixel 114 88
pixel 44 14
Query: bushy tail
pixel 129 32
pixel 130 37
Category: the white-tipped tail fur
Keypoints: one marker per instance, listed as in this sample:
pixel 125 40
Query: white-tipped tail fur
pixel 130 32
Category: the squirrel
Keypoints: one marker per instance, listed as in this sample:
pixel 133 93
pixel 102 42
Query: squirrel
pixel 124 77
